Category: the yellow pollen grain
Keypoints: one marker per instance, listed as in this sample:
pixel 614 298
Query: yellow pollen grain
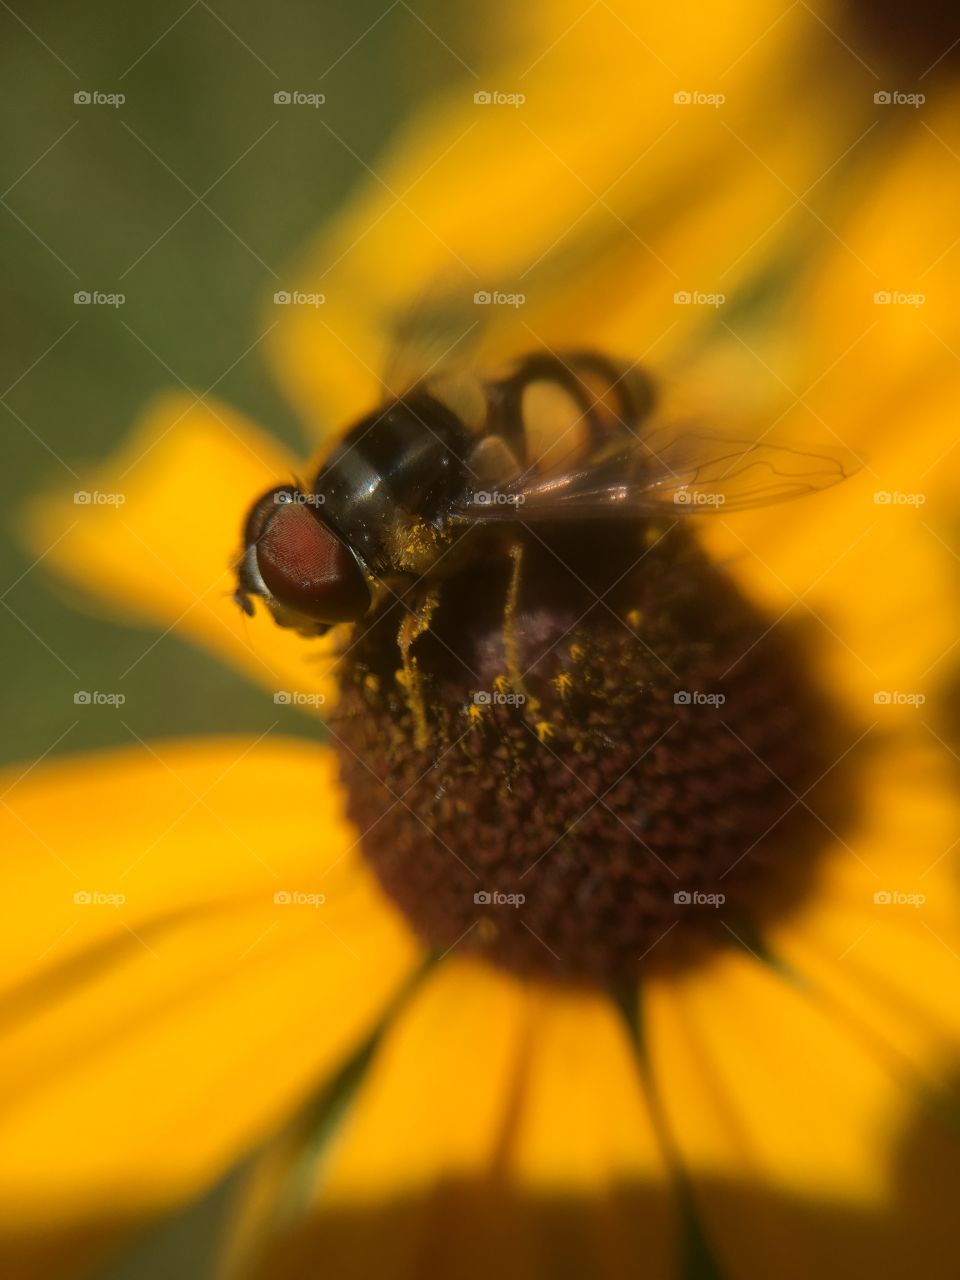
pixel 563 683
pixel 487 930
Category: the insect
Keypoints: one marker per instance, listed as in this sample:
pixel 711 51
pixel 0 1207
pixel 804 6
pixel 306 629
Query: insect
pixel 419 488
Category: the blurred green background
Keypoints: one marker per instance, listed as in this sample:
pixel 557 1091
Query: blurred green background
pixel 97 197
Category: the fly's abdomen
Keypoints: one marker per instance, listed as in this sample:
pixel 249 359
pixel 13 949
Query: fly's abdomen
pixel 558 411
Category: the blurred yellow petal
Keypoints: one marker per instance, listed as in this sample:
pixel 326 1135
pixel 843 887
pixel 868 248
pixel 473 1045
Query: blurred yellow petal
pixel 867 580
pixel 804 1156
pixel 215 966
pixel 162 554
pixel 889 290
pixel 174 826
pixel 588 193
pixel 585 1150
pixel 880 938
pixel 491 1101
pixel 393 1194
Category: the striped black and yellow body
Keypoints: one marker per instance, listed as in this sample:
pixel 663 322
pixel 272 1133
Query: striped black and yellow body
pixel 407 485
pixel 458 465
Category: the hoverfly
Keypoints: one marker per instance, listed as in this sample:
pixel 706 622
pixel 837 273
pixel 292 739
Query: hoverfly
pixel 437 475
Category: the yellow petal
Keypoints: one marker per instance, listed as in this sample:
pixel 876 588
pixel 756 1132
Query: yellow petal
pixel 584 1149
pixel 880 938
pixel 605 192
pixel 870 583
pixel 890 348
pixel 174 826
pixel 164 554
pixel 150 1041
pixel 500 1128
pixel 805 1157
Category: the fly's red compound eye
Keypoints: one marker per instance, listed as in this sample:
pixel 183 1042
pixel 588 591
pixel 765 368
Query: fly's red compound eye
pixel 295 561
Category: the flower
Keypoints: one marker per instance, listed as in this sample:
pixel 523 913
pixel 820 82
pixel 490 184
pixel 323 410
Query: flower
pixel 200 947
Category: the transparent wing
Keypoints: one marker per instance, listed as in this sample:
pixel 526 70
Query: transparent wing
pixel 687 470
pixel 438 334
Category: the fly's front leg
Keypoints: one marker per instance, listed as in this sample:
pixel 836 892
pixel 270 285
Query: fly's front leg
pixel 514 678
pixel 415 623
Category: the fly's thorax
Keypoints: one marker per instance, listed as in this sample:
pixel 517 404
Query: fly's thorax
pixel 388 484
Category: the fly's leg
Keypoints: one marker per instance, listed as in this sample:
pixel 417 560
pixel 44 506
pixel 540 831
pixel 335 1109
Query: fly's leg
pixel 415 623
pixel 514 678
